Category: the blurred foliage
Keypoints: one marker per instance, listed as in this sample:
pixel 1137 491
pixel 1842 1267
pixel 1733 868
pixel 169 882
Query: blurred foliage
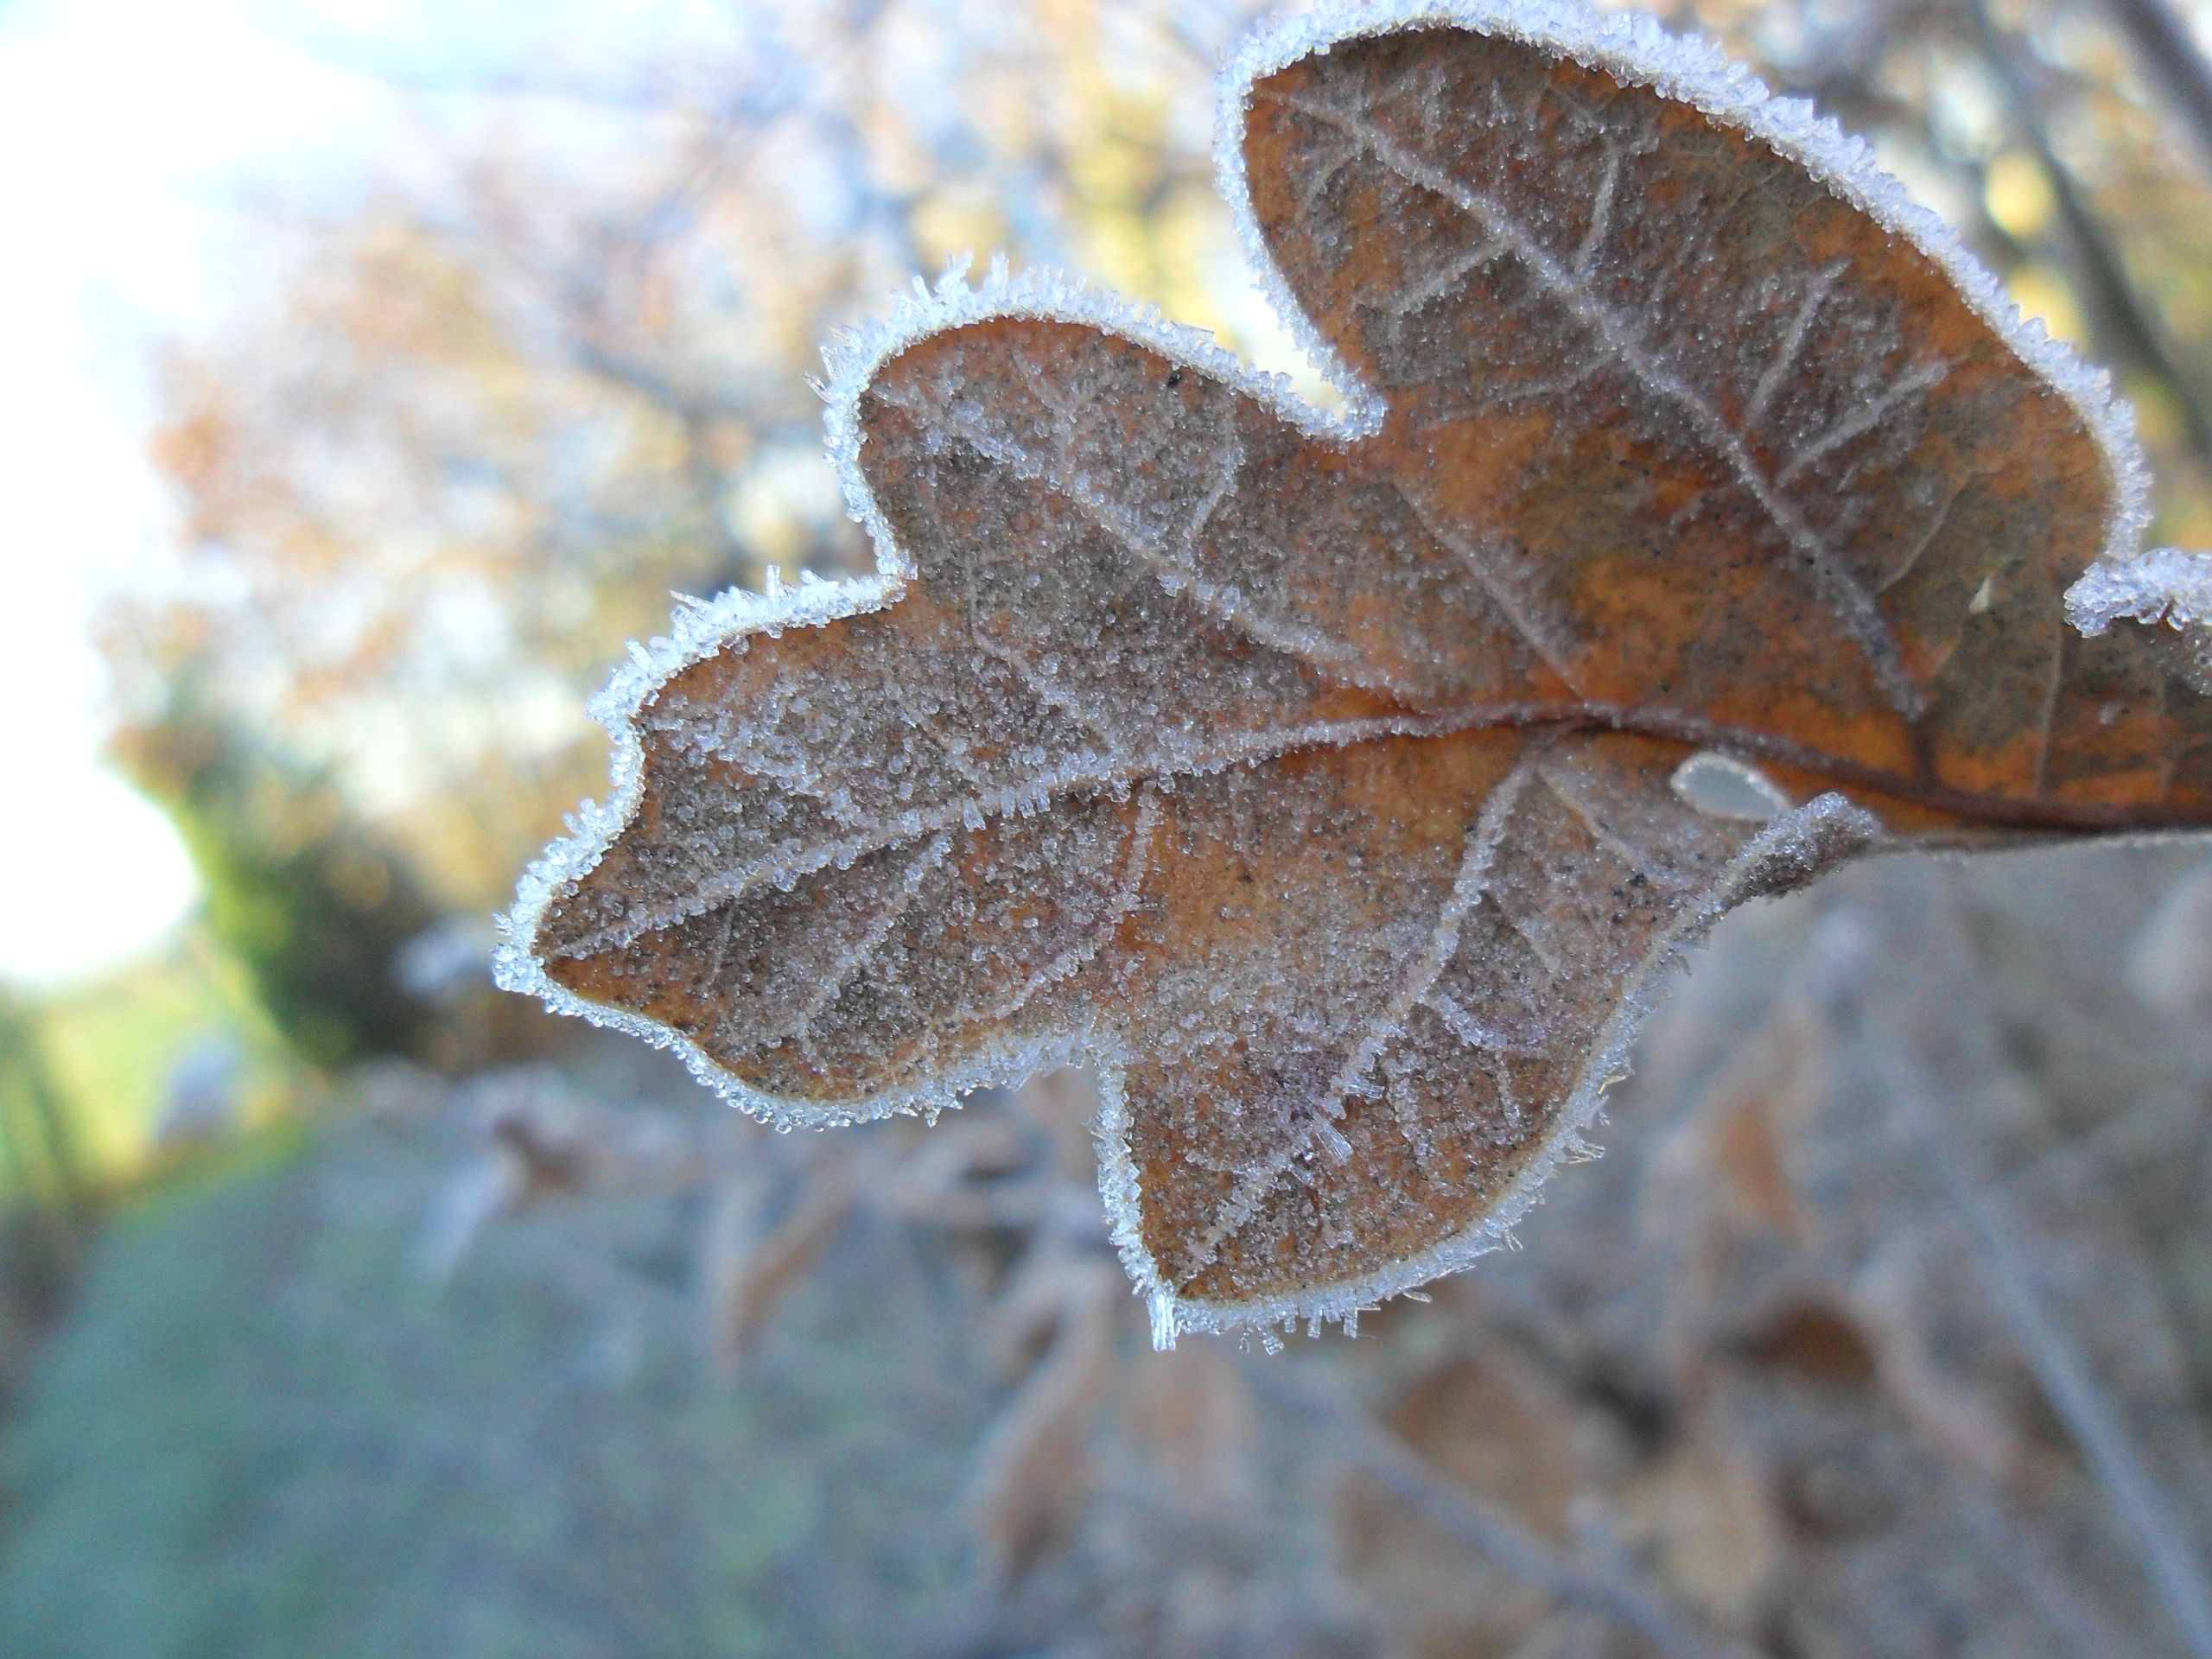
pixel 265 1433
pixel 299 891
pixel 43 1209
pixel 113 1047
pixel 39 1158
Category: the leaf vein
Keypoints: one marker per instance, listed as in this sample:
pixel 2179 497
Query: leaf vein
pixel 1425 964
pixel 1855 608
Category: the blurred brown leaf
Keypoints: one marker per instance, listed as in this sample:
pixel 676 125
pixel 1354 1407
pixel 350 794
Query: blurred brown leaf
pixel 1032 1478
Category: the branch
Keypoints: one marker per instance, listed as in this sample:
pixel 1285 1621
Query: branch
pixel 2131 325
pixel 2169 56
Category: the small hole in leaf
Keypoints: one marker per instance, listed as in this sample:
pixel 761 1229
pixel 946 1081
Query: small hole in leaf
pixel 1721 786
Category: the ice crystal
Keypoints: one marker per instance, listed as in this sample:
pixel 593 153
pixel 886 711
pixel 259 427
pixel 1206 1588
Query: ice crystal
pixel 1701 515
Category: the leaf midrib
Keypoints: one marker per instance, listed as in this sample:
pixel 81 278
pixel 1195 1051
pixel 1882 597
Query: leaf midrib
pixel 1095 774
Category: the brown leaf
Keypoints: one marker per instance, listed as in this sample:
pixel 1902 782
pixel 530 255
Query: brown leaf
pixel 1703 517
pixel 1032 1479
pixel 752 1262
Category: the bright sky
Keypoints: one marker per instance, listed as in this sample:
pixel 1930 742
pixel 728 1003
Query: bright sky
pixel 118 120
pixel 122 123
pixel 109 115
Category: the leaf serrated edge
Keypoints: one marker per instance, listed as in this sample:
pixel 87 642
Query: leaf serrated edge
pixel 701 627
pixel 1635 49
pixel 1787 852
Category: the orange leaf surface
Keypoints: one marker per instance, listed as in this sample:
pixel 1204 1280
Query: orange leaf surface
pixel 1703 517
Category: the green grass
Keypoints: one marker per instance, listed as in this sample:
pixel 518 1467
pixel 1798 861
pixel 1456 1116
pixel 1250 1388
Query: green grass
pixel 263 1432
pixel 109 1048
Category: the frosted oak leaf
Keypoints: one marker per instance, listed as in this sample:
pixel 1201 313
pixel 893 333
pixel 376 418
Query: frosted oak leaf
pixel 1702 517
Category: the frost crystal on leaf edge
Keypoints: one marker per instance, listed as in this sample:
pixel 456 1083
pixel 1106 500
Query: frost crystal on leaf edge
pixel 1633 49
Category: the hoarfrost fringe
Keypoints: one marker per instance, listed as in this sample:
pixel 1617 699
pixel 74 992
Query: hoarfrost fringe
pixel 1788 853
pixel 2166 586
pixel 1634 50
pixel 1638 52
